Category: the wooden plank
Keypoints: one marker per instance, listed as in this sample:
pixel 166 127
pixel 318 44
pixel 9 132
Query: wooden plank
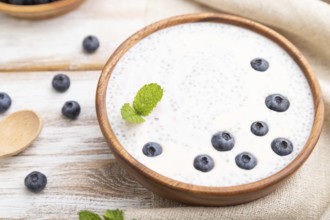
pixel 56 44
pixel 82 173
pixel 81 170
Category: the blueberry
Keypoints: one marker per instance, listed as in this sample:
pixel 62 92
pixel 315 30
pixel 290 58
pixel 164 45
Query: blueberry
pixel 259 128
pixel 282 146
pixel 35 181
pixel 246 161
pixel 152 149
pixel 16 2
pixel 223 141
pixel 90 44
pixel 71 109
pixel 277 102
pixel 37 2
pixel 27 2
pixel 259 64
pixel 203 163
pixel 5 102
pixel 61 82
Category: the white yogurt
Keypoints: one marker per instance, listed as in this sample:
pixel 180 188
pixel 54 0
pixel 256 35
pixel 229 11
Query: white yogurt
pixel 209 86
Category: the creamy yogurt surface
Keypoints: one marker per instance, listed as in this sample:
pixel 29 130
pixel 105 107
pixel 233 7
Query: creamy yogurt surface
pixel 210 86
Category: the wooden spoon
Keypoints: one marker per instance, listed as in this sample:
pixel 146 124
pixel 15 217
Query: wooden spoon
pixel 18 131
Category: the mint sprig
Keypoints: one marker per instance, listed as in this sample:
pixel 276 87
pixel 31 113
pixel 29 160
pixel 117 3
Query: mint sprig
pixel 113 215
pixel 144 102
pixel 109 215
pixel 88 215
pixel 130 115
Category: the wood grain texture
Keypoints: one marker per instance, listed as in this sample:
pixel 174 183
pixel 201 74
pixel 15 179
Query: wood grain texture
pixel 200 195
pixel 40 11
pixel 56 44
pixel 82 172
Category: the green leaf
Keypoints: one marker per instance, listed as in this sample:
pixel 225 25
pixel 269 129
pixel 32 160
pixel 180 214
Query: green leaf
pixel 130 115
pixel 147 98
pixel 113 215
pixel 87 215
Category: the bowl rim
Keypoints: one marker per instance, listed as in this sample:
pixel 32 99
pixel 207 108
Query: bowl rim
pixel 119 150
pixel 5 7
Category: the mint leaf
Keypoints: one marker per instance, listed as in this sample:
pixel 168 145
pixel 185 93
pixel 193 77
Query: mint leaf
pixel 113 215
pixel 87 215
pixel 130 115
pixel 144 102
pixel 147 98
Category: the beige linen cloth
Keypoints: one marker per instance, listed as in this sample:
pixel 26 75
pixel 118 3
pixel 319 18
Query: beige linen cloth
pixel 305 195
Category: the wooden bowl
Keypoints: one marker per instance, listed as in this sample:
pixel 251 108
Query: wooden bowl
pixel 202 195
pixel 41 11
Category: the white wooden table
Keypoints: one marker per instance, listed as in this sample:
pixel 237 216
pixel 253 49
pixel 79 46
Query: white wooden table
pixel 82 173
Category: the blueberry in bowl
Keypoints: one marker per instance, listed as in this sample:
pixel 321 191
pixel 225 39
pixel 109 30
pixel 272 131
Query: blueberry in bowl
pixel 152 149
pixel 259 128
pixel 282 146
pixel 27 2
pixel 277 102
pixel 203 163
pixel 223 141
pixel 259 64
pixel 37 9
pixel 246 161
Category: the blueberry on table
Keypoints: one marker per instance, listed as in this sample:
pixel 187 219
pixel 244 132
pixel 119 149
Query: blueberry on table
pixel 282 146
pixel 152 149
pixel 5 102
pixel 71 109
pixel 277 102
pixel 91 44
pixel 246 161
pixel 223 141
pixel 61 82
pixel 203 163
pixel 35 181
pixel 259 128
pixel 259 64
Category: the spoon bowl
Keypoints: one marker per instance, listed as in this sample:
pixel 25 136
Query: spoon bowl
pixel 18 131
